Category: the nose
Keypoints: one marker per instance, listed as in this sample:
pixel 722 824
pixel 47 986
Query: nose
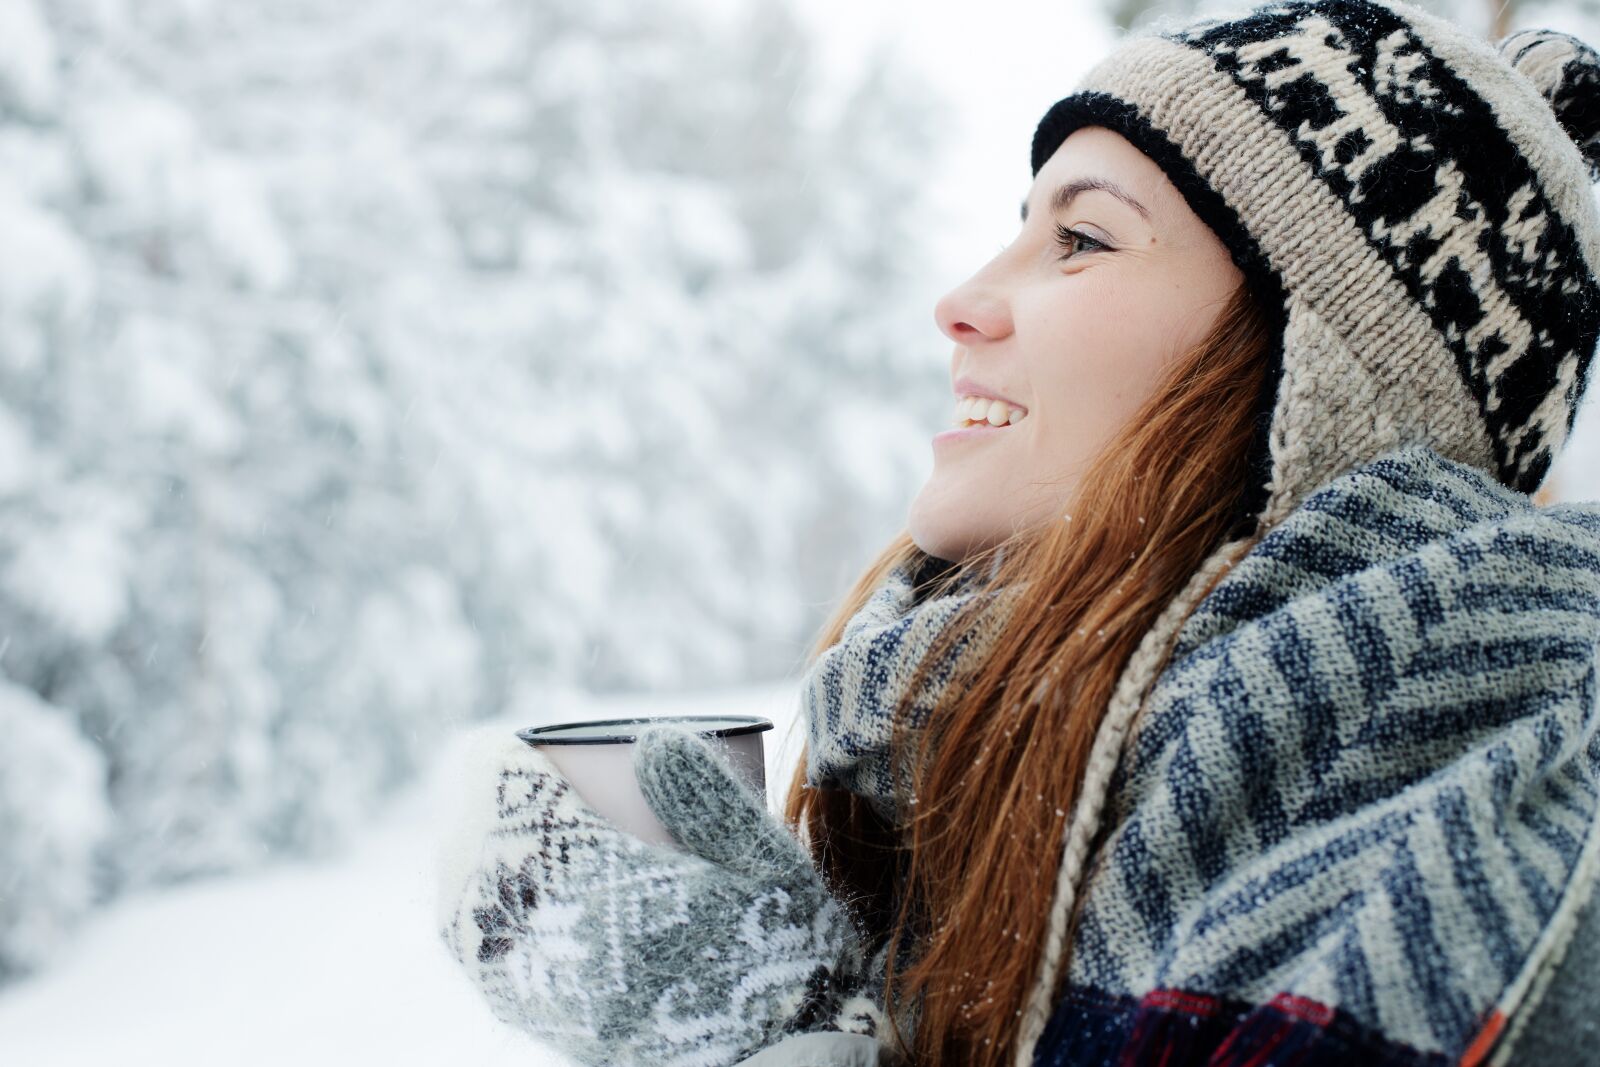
pixel 974 310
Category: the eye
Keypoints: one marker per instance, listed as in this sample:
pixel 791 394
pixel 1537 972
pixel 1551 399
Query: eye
pixel 1069 239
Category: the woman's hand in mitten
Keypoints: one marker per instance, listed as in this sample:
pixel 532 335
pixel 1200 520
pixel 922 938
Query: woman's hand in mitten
pixel 619 952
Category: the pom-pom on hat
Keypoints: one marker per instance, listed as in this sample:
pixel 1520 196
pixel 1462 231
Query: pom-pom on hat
pixel 1567 72
pixel 1413 205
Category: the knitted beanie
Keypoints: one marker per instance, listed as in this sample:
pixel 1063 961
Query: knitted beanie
pixel 1413 205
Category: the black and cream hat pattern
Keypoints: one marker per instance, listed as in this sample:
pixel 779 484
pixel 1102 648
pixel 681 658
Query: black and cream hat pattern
pixel 1414 205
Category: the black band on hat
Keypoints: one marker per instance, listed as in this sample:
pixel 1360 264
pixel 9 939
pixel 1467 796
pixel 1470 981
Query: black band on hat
pixel 1100 109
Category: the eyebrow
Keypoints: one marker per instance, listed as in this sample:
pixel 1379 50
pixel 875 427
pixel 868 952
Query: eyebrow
pixel 1069 192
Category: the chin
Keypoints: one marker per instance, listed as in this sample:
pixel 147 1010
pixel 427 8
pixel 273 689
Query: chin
pixel 941 532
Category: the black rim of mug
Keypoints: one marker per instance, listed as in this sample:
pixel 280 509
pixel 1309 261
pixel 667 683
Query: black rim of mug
pixel 539 735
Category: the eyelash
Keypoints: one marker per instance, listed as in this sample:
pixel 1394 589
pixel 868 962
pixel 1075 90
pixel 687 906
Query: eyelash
pixel 1065 238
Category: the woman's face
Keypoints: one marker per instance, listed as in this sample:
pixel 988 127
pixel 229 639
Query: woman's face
pixel 1110 279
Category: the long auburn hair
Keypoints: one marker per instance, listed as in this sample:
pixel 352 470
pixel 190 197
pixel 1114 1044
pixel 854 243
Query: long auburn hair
pixel 964 887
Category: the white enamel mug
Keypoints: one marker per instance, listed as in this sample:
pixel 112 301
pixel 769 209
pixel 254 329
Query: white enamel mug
pixel 596 757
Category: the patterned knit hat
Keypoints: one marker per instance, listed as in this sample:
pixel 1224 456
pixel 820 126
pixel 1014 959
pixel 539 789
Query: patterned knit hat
pixel 1414 206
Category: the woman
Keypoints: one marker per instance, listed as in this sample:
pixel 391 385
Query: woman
pixel 1227 699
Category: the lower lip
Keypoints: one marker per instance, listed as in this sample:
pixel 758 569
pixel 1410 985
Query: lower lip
pixel 965 432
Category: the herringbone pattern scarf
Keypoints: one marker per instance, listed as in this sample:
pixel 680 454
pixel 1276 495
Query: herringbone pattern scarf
pixel 848 695
pixel 1360 799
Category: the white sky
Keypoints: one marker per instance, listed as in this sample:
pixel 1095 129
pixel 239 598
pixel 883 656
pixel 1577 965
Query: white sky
pixel 999 67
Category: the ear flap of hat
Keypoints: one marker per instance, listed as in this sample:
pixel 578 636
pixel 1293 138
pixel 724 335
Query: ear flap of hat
pixel 1337 406
pixel 1328 411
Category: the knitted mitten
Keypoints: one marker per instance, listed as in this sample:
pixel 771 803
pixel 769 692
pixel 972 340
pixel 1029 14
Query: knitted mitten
pixel 619 952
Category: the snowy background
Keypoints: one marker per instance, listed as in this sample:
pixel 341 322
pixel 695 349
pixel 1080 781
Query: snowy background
pixel 304 963
pixel 372 370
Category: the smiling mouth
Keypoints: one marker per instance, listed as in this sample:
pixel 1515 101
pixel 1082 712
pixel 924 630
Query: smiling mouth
pixel 982 411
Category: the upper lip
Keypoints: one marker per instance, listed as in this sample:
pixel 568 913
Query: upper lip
pixel 968 387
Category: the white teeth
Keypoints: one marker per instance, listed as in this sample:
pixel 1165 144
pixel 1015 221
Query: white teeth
pixel 982 409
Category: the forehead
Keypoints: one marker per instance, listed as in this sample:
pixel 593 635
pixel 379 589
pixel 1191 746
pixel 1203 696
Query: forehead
pixel 1094 153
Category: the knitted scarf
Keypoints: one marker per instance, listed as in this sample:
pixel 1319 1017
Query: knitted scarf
pixel 1356 815
pixel 849 694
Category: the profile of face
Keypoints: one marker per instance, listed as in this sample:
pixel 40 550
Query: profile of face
pixel 1070 328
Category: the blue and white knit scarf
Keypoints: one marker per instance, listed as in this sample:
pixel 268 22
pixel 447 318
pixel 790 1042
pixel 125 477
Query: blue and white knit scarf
pixel 849 694
pixel 1357 814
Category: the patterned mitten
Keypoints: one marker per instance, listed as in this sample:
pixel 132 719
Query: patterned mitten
pixel 619 952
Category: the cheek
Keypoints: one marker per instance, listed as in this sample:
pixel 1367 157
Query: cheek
pixel 1097 351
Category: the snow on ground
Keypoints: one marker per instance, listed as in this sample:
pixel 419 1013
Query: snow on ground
pixel 309 964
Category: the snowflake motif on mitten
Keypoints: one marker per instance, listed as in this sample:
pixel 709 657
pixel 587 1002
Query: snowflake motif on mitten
pixel 616 951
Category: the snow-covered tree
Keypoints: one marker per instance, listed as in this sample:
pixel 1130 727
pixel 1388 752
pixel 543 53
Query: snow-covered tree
pixel 368 368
